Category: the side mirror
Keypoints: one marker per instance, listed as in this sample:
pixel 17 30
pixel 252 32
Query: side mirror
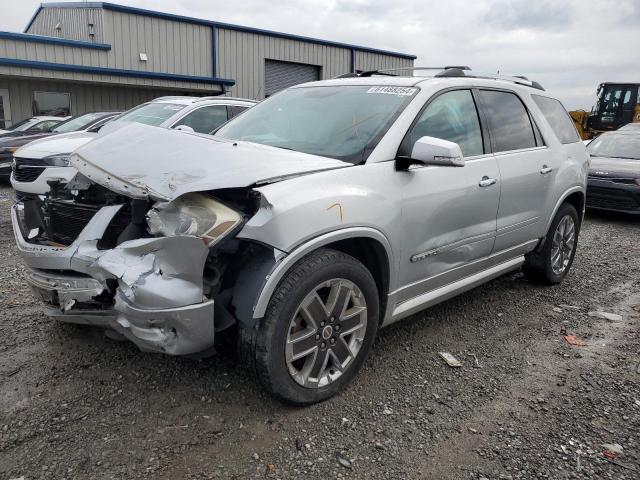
pixel 185 128
pixel 435 151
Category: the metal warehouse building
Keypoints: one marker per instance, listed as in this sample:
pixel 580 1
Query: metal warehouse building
pixel 76 57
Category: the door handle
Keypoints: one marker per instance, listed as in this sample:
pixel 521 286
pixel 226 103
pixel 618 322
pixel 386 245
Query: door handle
pixel 546 170
pixel 487 182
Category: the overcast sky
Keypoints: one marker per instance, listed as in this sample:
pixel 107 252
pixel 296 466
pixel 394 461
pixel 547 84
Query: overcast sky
pixel 569 46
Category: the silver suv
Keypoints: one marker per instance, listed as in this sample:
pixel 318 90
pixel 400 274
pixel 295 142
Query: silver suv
pixel 328 211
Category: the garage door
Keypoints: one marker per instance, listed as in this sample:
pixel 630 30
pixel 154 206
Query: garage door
pixel 280 75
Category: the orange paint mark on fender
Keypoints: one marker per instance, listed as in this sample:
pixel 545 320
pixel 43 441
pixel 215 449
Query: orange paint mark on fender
pixel 339 208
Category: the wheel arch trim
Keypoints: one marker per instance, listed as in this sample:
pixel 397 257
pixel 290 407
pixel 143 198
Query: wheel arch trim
pixel 563 197
pixel 283 266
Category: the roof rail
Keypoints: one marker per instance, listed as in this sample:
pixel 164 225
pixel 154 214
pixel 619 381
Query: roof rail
pixel 173 97
pixel 386 71
pixel 450 71
pixel 519 79
pixel 223 97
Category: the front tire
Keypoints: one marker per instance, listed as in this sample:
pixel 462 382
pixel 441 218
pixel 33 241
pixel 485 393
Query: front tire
pixel 318 329
pixel 551 264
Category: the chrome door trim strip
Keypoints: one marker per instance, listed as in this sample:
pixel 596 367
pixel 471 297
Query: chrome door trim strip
pixel 450 246
pixel 491 260
pixel 517 226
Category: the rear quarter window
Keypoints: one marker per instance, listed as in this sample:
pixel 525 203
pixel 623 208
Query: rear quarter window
pixel 558 118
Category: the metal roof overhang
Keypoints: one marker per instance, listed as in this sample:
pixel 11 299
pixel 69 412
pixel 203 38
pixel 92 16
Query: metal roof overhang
pixel 14 62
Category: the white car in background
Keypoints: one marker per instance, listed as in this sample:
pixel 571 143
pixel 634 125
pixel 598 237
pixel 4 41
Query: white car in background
pixel 41 162
pixel 35 124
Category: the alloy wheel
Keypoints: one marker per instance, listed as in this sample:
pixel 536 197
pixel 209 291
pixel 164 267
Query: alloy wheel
pixel 326 333
pixel 564 239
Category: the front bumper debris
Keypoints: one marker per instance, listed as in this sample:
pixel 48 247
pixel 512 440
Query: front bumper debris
pixel 604 194
pixel 149 290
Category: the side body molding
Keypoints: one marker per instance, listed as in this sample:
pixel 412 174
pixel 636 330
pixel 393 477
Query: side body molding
pixel 286 262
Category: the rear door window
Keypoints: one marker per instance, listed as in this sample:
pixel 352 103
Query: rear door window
pixel 509 121
pixel 558 118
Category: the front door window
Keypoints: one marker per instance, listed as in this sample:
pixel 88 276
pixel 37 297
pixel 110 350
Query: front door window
pixel 204 119
pixel 451 116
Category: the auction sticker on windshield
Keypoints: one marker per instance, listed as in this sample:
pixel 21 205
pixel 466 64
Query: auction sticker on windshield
pixel 404 91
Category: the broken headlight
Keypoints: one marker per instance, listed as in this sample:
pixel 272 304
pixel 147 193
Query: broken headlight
pixel 195 215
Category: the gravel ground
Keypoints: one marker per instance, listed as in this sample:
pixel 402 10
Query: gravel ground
pixel 525 404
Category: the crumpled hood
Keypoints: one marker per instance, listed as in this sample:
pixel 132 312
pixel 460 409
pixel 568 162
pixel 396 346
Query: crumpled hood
pixel 142 161
pixel 612 166
pixel 60 143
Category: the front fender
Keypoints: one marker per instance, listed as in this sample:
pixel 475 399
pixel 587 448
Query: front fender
pixel 282 266
pixel 301 214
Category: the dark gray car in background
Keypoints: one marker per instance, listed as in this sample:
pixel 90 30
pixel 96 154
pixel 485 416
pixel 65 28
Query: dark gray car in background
pixel 614 176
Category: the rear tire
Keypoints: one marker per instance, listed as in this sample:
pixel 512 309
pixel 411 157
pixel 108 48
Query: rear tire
pixel 551 264
pixel 318 329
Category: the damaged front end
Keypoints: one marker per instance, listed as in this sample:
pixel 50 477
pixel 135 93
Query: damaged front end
pixel 158 273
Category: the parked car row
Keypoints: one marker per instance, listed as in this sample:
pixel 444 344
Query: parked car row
pixel 9 143
pixel 27 127
pixel 316 217
pixel 47 159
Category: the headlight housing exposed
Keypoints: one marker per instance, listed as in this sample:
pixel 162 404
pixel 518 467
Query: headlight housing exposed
pixel 195 215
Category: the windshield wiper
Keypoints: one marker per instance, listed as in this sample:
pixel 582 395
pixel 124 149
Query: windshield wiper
pixel 280 146
pixel 614 156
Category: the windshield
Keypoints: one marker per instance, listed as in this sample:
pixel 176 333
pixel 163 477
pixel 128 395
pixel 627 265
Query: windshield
pixel 77 123
pixel 151 113
pixel 342 122
pixel 619 146
pixel 23 125
pixel 616 97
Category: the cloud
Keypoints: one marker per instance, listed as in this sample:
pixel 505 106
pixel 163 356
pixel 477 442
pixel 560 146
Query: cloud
pixel 524 14
pixel 570 46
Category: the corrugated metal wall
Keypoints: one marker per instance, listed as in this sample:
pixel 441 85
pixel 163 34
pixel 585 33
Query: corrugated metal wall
pixel 377 61
pixel 171 47
pixel 74 23
pixel 185 48
pixel 241 56
pixel 44 52
pixel 84 97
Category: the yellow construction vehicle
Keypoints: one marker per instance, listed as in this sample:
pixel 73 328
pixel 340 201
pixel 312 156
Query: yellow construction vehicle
pixel 618 104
